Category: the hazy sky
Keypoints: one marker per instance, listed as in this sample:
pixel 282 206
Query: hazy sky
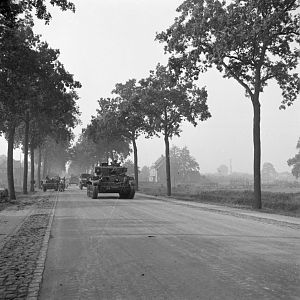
pixel 111 41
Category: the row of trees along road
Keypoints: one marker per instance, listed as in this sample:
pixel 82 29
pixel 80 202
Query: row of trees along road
pixel 156 105
pixel 38 97
pixel 251 41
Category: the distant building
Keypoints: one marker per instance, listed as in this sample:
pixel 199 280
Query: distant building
pixel 158 170
pixel 158 173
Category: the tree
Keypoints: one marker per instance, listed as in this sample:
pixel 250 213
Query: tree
pixel 168 103
pixel 85 154
pixel 104 130
pixel 268 172
pixel 223 170
pixel 130 116
pixel 294 162
pixel 31 100
pixel 34 88
pixel 55 155
pixel 14 16
pixel 145 174
pixel 16 66
pixel 130 166
pixel 249 41
pixel 183 166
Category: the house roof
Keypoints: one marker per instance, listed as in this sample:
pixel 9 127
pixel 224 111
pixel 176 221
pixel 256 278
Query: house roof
pixel 159 162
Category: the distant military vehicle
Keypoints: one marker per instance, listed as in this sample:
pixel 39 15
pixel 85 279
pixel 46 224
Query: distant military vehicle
pixel 111 179
pixel 50 183
pixel 74 180
pixel 83 178
pixel 3 193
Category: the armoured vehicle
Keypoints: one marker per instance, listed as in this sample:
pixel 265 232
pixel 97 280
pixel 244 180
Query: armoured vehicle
pixel 83 178
pixel 3 193
pixel 50 183
pixel 111 179
pixel 73 180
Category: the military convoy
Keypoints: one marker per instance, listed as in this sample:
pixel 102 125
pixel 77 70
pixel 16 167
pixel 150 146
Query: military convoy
pixel 108 178
pixel 111 179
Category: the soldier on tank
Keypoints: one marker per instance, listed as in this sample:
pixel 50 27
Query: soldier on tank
pixel 115 163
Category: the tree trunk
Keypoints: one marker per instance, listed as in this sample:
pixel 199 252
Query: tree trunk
pixel 32 168
pixel 112 156
pixel 257 154
pixel 25 176
pixel 10 162
pixel 136 169
pixel 49 169
pixel 45 164
pixel 168 172
pixel 107 156
pixel 39 166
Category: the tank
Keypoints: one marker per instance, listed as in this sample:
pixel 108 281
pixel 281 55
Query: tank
pixel 3 193
pixel 111 179
pixel 83 178
pixel 50 183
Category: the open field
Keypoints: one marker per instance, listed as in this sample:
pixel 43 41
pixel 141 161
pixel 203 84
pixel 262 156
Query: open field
pixel 286 202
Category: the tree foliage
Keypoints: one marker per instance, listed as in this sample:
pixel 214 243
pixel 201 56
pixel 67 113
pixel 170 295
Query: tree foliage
pixel 294 162
pixel 183 165
pixel 10 10
pixel 223 170
pixel 168 103
pixel 105 131
pixel 101 140
pixel 56 155
pixel 130 108
pixel 250 41
pixel 85 154
pixel 129 164
pixel 144 174
pixel 268 172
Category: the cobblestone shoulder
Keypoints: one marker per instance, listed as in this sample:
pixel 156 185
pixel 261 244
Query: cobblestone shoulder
pixel 23 254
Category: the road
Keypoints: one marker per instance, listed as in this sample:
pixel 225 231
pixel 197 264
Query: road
pixel 110 248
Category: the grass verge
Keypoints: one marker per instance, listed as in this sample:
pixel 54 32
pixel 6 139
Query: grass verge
pixel 272 202
pixel 21 202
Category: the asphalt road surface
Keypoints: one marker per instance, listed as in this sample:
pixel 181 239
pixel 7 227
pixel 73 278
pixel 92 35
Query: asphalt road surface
pixel 111 248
